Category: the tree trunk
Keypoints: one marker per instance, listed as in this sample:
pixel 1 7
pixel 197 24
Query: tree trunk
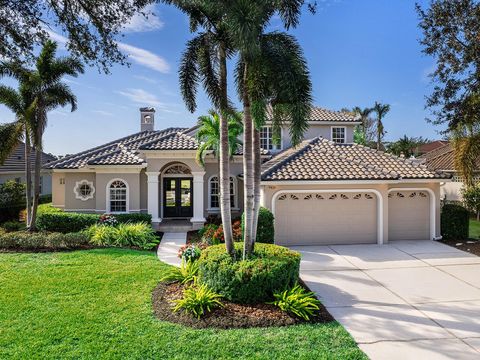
pixel 28 178
pixel 247 171
pixel 478 215
pixel 257 165
pixel 224 157
pixel 36 187
pixel 379 134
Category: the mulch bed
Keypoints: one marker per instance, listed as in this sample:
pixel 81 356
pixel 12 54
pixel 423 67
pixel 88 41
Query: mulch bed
pixel 193 237
pixel 471 245
pixel 229 317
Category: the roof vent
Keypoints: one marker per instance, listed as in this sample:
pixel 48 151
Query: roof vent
pixel 147 118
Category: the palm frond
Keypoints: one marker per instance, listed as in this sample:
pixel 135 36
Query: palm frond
pixel 11 135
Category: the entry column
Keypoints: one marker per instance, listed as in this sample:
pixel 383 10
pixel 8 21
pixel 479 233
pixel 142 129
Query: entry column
pixel 152 195
pixel 198 193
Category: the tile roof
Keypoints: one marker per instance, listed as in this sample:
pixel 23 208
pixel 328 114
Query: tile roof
pixel 321 114
pixel 442 159
pixel 321 159
pixel 16 161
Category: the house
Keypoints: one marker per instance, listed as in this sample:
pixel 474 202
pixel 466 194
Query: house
pixel 432 145
pixel 327 190
pixel 14 168
pixel 443 159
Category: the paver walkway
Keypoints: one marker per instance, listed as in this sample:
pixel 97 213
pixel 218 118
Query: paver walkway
pixel 168 249
pixel 404 300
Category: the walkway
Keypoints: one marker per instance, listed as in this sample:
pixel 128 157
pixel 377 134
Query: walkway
pixel 404 300
pixel 168 249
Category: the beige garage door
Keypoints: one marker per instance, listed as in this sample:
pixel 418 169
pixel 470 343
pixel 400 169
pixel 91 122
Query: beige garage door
pixel 325 218
pixel 408 215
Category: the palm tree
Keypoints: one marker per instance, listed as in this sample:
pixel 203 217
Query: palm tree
pixel 364 115
pixel 21 104
pixel 208 135
pixel 381 110
pixel 205 60
pixel 47 92
pixel 271 69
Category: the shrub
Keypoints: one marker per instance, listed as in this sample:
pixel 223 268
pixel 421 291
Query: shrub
pixel 134 218
pixel 265 226
pixel 42 240
pixel 207 233
pixel 269 270
pixel 471 199
pixel 454 222
pixel 10 226
pixel 127 234
pixel 108 219
pixel 65 222
pixel 189 252
pixel 12 200
pixel 198 300
pixel 186 273
pixel 297 301
pixel 45 199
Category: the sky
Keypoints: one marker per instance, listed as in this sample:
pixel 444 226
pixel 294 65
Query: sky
pixel 358 52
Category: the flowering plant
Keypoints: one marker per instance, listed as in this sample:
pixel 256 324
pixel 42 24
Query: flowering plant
pixel 189 252
pixel 108 219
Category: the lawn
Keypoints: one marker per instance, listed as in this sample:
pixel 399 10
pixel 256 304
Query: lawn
pixel 474 229
pixel 96 304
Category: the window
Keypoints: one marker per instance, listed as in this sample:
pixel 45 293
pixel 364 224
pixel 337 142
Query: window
pixel 84 190
pixel 215 192
pixel 62 181
pixel 338 135
pixel 266 139
pixel 118 196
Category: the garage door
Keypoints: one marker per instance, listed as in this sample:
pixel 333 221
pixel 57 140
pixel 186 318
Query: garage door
pixel 408 215
pixel 325 218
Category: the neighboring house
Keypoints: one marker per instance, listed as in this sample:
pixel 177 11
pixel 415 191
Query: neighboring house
pixel 14 169
pixel 425 148
pixel 327 190
pixel 443 159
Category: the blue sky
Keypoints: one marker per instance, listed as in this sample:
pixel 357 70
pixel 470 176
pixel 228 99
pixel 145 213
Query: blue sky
pixel 358 51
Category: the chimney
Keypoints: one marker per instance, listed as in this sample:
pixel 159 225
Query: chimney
pixel 147 118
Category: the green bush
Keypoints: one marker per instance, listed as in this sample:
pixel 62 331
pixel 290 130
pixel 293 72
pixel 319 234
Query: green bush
pixel 265 226
pixel 269 270
pixel 297 301
pixel 186 273
pixel 10 226
pixel 134 218
pixel 12 200
pixel 127 234
pixel 198 300
pixel 42 241
pixel 454 222
pixel 65 222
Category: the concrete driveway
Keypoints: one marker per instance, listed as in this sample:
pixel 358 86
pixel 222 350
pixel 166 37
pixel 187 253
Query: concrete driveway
pixel 404 300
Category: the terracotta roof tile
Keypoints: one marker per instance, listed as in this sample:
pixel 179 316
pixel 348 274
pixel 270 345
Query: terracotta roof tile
pixel 442 158
pixel 321 114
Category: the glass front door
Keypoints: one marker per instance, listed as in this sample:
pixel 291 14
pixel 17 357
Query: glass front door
pixel 177 197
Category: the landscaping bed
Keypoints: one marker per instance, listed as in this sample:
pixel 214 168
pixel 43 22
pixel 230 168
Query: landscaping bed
pixel 231 316
pixel 471 246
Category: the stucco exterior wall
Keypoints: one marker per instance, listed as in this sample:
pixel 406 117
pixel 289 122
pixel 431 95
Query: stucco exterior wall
pixel 58 190
pixel 269 191
pixel 315 130
pixel 46 178
pixel 133 189
pixel 71 202
pixel 451 191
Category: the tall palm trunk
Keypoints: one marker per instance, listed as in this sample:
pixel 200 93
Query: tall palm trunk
pixel 247 170
pixel 379 133
pixel 257 164
pixel 224 158
pixel 28 178
pixel 38 166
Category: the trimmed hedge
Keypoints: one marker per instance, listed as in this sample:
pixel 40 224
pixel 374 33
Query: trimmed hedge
pixel 270 269
pixel 265 226
pixel 54 220
pixel 25 240
pixel 65 222
pixel 454 222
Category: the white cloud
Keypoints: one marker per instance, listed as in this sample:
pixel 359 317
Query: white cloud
pixel 143 97
pixel 60 39
pixel 145 78
pixel 102 112
pixel 145 58
pixel 140 23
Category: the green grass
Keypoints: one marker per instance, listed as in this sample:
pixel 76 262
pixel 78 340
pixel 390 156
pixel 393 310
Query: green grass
pixel 97 304
pixel 474 229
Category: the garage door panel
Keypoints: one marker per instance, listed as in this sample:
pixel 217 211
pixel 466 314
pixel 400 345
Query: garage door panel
pixel 408 215
pixel 325 218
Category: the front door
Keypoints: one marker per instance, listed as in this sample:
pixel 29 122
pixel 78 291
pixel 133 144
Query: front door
pixel 177 197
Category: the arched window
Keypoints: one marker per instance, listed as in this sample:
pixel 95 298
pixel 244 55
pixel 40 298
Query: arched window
pixel 214 192
pixel 118 196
